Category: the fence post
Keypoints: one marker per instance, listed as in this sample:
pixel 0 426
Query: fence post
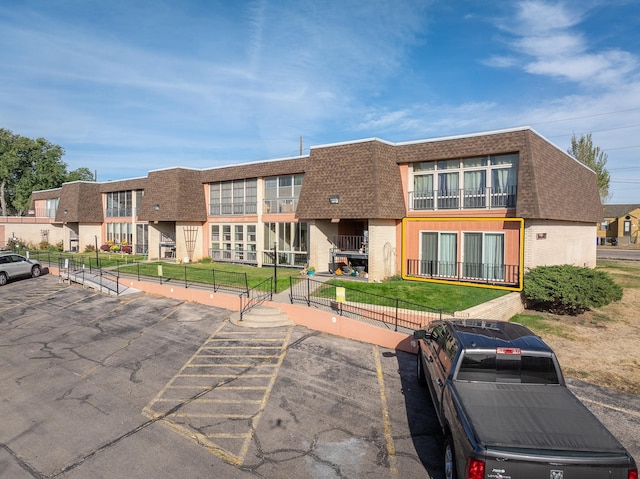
pixel 396 315
pixel 186 285
pixel 308 292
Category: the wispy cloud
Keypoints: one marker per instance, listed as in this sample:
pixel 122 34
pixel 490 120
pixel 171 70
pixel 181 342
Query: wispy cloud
pixel 547 35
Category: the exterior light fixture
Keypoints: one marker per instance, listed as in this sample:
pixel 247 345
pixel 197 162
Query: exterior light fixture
pixel 156 206
pixel 334 199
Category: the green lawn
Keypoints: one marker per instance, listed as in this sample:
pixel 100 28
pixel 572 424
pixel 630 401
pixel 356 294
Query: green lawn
pixel 449 298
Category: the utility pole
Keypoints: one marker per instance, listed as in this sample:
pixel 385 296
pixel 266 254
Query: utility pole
pixel 300 145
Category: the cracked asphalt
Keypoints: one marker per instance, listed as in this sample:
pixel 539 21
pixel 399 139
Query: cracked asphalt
pixel 94 386
pixel 150 387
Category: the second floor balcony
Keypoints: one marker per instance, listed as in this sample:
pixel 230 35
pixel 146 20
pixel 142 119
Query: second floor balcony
pixel 483 198
pixel 233 209
pixel 280 205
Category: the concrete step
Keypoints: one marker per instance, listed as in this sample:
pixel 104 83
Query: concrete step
pixel 262 317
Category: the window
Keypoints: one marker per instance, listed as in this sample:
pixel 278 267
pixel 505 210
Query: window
pixel 119 204
pixel 120 232
pixel 281 193
pixel 438 254
pixel 476 182
pixel 233 242
pixel 236 197
pixel 489 367
pixel 291 242
pixel 483 256
pixel 50 207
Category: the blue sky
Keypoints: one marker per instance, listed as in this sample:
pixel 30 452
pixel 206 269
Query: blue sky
pixel 130 86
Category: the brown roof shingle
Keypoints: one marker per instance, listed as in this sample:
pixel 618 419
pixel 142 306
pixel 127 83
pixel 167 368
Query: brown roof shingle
pixel 178 194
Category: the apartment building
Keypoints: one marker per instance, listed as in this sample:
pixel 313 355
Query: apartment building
pixel 476 209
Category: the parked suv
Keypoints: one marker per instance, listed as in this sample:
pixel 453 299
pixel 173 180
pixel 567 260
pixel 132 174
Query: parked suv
pixel 15 266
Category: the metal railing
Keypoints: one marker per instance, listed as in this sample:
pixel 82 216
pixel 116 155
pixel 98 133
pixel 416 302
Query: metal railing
pixel 286 258
pixel 280 205
pixel 232 209
pixel 490 273
pixel 78 271
pixel 350 243
pixel 463 199
pixel 256 296
pixel 234 256
pixel 381 310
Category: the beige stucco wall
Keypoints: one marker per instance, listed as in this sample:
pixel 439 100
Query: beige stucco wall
pixel 382 249
pixel 320 234
pixel 189 232
pixel 31 232
pixel 556 242
pixel 87 236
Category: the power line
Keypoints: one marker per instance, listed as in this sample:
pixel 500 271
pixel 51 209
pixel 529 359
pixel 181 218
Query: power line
pixel 585 116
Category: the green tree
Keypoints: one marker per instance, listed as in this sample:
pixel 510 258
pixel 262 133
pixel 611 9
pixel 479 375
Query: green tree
pixel 27 165
pixel 81 174
pixel 582 149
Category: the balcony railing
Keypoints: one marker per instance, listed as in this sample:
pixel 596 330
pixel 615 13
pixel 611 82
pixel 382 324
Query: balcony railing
pixel 233 209
pixel 355 243
pixel 234 256
pixel 286 258
pixel 508 274
pixel 486 198
pixel 280 205
pixel 118 212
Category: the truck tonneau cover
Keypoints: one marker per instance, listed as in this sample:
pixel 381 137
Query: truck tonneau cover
pixel 533 416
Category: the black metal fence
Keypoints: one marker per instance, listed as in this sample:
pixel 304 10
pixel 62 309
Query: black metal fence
pixel 256 296
pixel 79 272
pixel 383 310
pixel 503 274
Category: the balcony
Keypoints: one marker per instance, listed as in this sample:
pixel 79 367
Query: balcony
pixel 489 273
pixel 233 209
pixel 485 198
pixel 280 205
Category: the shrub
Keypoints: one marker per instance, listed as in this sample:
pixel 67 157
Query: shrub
pixel 44 245
pixel 114 248
pixel 89 248
pixel 568 289
pixel 127 249
pixel 60 246
pixel 206 259
pixel 105 247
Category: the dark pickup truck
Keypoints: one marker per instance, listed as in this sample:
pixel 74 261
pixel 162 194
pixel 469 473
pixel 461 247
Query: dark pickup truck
pixel 505 410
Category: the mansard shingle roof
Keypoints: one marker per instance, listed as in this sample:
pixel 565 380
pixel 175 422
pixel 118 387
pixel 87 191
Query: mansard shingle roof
pixel 80 202
pixel 289 166
pixel 178 195
pixel 552 185
pixel 365 177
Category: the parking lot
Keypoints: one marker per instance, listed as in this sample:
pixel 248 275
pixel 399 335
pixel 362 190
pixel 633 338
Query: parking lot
pixel 142 386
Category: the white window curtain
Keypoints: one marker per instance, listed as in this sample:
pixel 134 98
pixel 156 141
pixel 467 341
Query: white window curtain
pixel 474 189
pixel 448 254
pixel 494 256
pixel 448 186
pixel 422 192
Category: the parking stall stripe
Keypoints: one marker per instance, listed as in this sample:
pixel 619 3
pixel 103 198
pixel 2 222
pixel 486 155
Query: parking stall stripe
pixel 203 383
pixel 386 420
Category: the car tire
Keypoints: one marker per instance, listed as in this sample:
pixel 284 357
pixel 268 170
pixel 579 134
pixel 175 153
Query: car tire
pixel 422 379
pixel 35 271
pixel 449 459
pixel 3 279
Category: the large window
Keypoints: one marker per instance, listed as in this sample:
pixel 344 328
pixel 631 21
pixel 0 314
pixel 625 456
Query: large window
pixel 476 182
pixel 237 197
pixel 438 254
pixel 483 256
pixel 119 204
pixel 50 207
pixel 281 193
pixel 291 241
pixel 234 242
pixel 120 233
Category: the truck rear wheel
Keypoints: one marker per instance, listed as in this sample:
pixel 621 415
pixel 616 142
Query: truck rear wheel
pixel 449 459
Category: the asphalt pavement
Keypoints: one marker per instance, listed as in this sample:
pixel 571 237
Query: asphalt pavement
pixel 150 387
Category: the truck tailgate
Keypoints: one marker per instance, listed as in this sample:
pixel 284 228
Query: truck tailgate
pixel 532 416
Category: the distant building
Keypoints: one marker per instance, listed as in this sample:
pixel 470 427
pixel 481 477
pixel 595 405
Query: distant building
pixel 620 225
pixel 477 209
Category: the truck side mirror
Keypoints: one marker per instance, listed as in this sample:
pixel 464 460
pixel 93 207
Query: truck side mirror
pixel 419 334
